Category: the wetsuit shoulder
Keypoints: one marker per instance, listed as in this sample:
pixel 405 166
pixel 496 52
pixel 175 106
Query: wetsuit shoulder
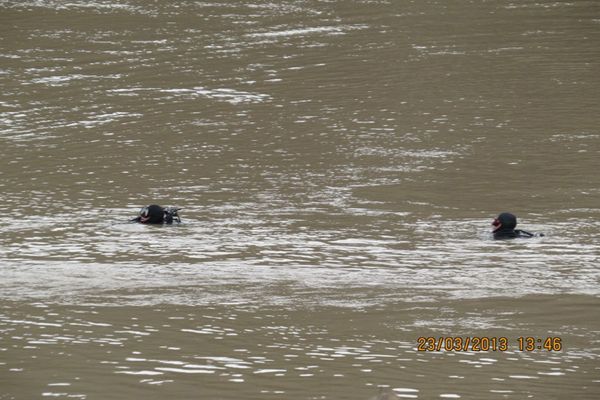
pixel 505 234
pixel 523 234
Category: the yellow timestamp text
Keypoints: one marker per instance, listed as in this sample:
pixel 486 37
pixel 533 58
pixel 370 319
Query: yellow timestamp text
pixel 488 343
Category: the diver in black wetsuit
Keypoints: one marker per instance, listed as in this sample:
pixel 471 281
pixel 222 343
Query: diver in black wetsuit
pixel 504 228
pixel 155 214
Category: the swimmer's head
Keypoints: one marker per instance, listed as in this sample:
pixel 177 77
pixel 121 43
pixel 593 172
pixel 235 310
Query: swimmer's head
pixel 152 214
pixel 505 221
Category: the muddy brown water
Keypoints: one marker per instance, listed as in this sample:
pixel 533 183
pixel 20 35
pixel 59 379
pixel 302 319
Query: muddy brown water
pixel 338 164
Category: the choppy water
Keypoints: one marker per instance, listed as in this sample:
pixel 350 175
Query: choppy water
pixel 339 164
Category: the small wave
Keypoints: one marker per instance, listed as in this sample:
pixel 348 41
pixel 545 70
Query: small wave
pixel 229 95
pixel 340 30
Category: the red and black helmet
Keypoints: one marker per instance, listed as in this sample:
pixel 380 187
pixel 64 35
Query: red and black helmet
pixel 505 220
pixel 152 214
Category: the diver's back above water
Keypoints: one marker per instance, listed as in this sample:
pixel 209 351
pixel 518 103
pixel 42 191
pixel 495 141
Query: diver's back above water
pixel 504 228
pixel 155 214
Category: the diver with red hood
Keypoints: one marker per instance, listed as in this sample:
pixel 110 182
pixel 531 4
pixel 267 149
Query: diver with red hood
pixel 155 214
pixel 504 228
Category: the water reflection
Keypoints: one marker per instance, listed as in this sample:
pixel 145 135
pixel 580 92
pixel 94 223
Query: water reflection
pixel 268 352
pixel 444 259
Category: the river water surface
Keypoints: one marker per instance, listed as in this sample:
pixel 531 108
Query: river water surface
pixel 338 164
